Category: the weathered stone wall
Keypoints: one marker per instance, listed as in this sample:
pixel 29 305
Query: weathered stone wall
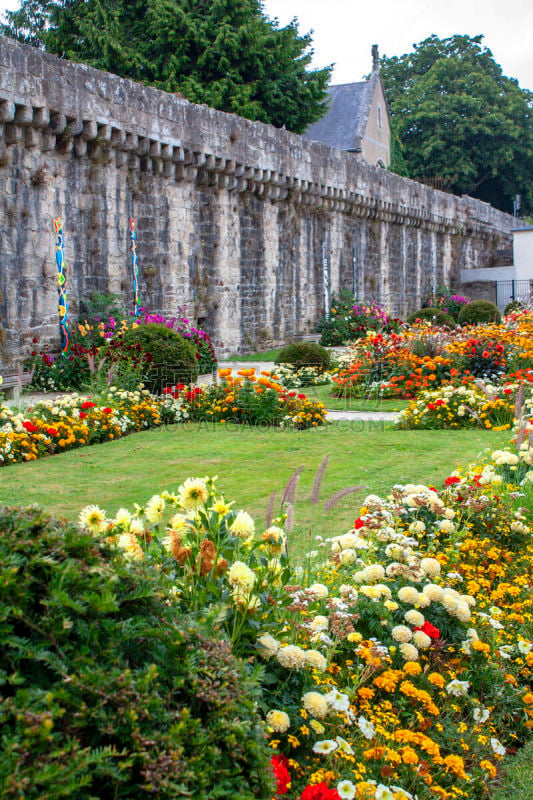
pixel 237 221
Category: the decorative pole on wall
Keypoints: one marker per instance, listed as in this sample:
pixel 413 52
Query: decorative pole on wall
pixel 61 287
pixel 354 274
pixel 134 265
pixel 325 276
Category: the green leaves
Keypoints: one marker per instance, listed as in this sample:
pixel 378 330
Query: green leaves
pixel 460 121
pixel 225 53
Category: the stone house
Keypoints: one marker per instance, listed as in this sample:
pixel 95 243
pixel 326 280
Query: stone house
pixel 357 119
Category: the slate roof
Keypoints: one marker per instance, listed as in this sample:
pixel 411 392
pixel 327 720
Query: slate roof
pixel 344 124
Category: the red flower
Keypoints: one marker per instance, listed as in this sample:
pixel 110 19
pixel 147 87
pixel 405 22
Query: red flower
pixel 29 426
pixel 88 404
pixel 451 479
pixel 302 397
pixel 432 406
pixel 320 791
pixel 107 410
pixel 358 523
pixel 439 402
pixel 485 354
pixel 430 630
pixel 52 432
pixel 281 773
pixel 83 415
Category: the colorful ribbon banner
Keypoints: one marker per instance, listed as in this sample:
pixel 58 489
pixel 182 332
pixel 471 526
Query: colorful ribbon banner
pixel 134 265
pixel 62 287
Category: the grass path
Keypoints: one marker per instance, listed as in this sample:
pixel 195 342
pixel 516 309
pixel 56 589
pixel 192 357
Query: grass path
pixel 250 464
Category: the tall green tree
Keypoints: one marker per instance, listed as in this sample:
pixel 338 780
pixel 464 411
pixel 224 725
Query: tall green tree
pixel 225 53
pixel 462 123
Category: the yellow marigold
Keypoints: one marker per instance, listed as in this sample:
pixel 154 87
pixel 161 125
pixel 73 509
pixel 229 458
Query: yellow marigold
pixel 412 668
pixel 488 767
pixel 481 647
pixel 456 765
pixel 436 679
pixel 367 694
pixel 409 756
pixel 528 698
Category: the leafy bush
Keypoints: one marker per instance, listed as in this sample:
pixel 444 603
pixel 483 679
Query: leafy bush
pixel 479 311
pixel 107 690
pixel 450 303
pixel 170 357
pixel 304 354
pixel 433 315
pixel 513 305
pixel 349 320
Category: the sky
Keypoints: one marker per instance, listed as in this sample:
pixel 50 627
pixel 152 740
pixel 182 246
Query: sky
pixel 345 30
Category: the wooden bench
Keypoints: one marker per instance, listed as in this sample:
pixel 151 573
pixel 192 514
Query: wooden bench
pixel 12 384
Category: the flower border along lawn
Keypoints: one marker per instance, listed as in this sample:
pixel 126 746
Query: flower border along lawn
pixel 251 463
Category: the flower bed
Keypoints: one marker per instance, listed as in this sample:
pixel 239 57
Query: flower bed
pixel 428 364
pixel 398 664
pixel 53 426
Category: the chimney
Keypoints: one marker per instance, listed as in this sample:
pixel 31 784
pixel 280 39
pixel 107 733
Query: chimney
pixel 375 58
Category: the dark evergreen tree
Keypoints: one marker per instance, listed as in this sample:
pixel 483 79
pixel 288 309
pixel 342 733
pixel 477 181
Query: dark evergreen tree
pixel 225 53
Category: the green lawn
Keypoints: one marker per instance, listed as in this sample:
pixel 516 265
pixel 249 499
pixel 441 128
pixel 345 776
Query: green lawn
pixel 267 355
pixel 516 776
pixel 250 464
pixel 323 393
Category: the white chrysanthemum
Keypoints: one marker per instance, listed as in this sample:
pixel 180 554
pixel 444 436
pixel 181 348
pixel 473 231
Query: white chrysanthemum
pixel 469 600
pixel 430 566
pixel 408 651
pixel 291 657
pixel 449 601
pixel 243 525
pixel 462 611
pixel 137 527
pixel 335 547
pixel 373 502
pixel 278 721
pixel 348 557
pixel 267 645
pixel 390 605
pixel 338 700
pixel 318 590
pixel 348 540
pixel 374 573
pixel 394 551
pixel 417 526
pixel 423 601
pixel 346 790
pixel 433 592
pixel 408 594
pixel 458 688
pixel 401 633
pixel 445 526
pixel 366 727
pixel 316 704
pixel 325 747
pixel 319 623
pixel 421 640
pixel 93 519
pixel 481 715
pixel 193 493
pixel 154 509
pixel 316 660
pixel 179 523
pixel 497 746
pixel 241 575
pixel 383 591
pixel 449 513
pixel 122 517
pixel 129 543
pixel 414 617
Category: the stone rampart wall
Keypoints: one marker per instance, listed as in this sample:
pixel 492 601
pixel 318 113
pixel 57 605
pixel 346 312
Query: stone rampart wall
pixel 249 227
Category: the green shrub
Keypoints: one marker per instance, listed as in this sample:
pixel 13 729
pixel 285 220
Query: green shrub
pixel 439 317
pixel 109 692
pixel 172 358
pixel 479 311
pixel 304 354
pixel 513 305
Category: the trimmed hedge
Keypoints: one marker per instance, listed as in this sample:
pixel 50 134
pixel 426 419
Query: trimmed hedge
pixel 109 692
pixel 304 354
pixel 433 315
pixel 172 358
pixel 479 311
